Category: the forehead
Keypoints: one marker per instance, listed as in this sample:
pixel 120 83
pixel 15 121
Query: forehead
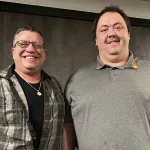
pixel 28 35
pixel 110 18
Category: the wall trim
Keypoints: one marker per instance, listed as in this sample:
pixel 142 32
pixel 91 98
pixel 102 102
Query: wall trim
pixel 61 13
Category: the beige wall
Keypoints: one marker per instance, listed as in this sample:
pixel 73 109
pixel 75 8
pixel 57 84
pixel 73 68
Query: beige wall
pixel 134 8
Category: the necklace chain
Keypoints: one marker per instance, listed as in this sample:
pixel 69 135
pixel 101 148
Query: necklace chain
pixel 38 91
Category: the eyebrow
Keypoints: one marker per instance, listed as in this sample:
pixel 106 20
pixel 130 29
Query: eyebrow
pixel 118 23
pixel 103 26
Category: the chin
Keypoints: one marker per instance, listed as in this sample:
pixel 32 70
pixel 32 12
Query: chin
pixel 30 68
pixel 33 68
pixel 113 53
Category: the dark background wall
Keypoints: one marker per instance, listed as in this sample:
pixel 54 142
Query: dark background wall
pixel 68 37
pixel 68 42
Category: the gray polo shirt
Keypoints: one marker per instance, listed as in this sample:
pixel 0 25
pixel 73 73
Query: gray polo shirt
pixel 110 106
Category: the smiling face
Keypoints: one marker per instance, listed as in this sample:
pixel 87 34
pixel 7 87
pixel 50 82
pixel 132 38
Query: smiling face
pixel 29 58
pixel 112 38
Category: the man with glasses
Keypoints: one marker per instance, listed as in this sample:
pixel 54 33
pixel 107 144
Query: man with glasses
pixel 31 101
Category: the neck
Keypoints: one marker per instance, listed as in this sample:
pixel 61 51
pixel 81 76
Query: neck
pixel 115 61
pixel 31 78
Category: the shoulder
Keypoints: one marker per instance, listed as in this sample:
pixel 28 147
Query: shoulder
pixel 81 75
pixel 144 64
pixel 84 71
pixel 55 83
pixel 3 72
pixel 143 70
pixel 88 67
pixel 6 78
pixel 51 81
pixel 7 73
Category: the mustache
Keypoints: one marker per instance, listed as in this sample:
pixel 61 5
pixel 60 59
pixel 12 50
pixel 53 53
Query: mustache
pixel 112 39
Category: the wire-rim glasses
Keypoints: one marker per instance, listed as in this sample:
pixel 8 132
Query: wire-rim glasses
pixel 25 44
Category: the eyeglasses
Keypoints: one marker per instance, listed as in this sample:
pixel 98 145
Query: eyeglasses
pixel 25 44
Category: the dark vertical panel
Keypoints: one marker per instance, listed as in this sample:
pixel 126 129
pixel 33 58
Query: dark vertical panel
pixel 68 42
pixel 13 21
pixel 2 56
pixel 140 42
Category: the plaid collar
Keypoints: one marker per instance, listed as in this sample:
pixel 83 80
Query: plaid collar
pixel 11 68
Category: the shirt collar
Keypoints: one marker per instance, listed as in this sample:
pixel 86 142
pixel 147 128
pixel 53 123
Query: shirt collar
pixel 131 63
pixel 10 71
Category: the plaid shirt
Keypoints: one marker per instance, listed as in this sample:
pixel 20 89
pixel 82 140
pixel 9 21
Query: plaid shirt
pixel 16 131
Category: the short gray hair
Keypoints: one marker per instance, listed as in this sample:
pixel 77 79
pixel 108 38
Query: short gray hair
pixel 26 28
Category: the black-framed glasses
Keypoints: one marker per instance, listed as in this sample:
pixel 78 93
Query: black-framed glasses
pixel 25 44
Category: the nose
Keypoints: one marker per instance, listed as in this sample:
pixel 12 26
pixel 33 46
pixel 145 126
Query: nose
pixel 111 32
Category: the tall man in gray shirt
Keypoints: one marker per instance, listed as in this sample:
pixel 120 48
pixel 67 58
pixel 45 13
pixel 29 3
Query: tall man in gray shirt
pixel 108 101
